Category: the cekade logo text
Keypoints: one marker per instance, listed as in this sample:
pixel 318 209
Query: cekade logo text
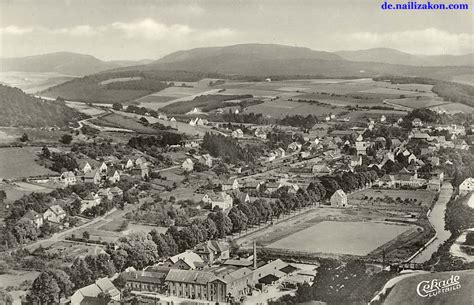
pixel 435 286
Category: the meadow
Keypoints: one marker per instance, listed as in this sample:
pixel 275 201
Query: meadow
pixel 352 238
pixel 20 162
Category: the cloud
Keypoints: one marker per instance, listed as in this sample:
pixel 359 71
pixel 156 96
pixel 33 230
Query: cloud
pixel 79 30
pixel 148 29
pixel 427 41
pixel 15 30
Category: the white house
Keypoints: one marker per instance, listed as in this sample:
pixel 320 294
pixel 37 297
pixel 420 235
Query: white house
pixel 230 185
pixel 466 186
pixel 68 178
pixel 339 199
pixel 54 213
pixel 238 133
pixel 91 292
pixel 188 165
pixel 222 200
pixel 129 164
pixel 90 201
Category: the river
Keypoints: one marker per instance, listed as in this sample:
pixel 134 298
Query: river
pixel 436 218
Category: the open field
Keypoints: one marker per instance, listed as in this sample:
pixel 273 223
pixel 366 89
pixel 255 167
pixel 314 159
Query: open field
pixel 120 121
pixel 353 238
pixel 19 189
pixel 453 108
pixel 12 134
pixel 281 107
pixel 20 162
pixel 16 277
pixel 413 102
pixel 84 108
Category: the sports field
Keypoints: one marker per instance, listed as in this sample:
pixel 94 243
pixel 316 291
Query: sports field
pixel 353 238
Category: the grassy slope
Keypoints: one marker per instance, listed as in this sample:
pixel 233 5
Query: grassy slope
pixel 20 109
pixel 88 89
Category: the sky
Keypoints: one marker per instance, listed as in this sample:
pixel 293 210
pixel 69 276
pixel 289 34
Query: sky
pixel 150 29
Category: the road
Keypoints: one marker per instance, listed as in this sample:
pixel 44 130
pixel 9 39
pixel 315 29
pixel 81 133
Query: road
pixel 436 219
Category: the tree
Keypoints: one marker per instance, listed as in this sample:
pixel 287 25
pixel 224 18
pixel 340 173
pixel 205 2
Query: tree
pixel 86 235
pixel 80 273
pixel 45 289
pixel 62 279
pixel 5 297
pixel 117 106
pixel 45 153
pixel 66 139
pixel 100 265
pixel 24 138
pixel 140 248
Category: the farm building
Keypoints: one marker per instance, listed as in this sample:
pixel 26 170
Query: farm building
pixel 339 199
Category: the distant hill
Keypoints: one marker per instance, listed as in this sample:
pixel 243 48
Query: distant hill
pixel 392 56
pixel 63 63
pixel 276 60
pixel 20 109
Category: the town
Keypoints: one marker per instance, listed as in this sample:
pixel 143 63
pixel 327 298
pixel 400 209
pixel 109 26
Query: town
pixel 235 152
pixel 223 211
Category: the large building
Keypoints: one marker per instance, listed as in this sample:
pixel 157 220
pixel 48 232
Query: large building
pixel 220 285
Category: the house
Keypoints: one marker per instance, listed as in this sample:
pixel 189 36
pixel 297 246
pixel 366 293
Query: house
pixel 433 185
pixel 188 165
pixel 272 187
pixel 383 119
pixel 387 181
pixel 105 193
pixel 152 279
pixel 338 199
pixel 407 178
pixel 232 184
pixel 92 177
pixel 187 260
pixel 321 169
pixel 129 164
pixel 466 186
pixel 116 192
pixel 205 198
pixel 140 160
pixel 84 166
pixel 434 161
pixel 417 123
pixel 273 270
pixel 113 176
pixel 292 147
pixel 238 133
pixel 68 178
pixel 54 213
pixel 103 168
pixel 221 200
pixel 90 294
pixel 260 134
pixel 361 147
pixel 251 186
pixel 211 251
pixel 34 218
pixel 143 170
pixel 90 201
pixel 279 152
pixel 205 159
pixel 356 160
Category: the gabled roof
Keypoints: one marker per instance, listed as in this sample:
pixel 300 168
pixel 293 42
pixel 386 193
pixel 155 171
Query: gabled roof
pixel 189 257
pixel 56 209
pixel 190 276
pixel 31 215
